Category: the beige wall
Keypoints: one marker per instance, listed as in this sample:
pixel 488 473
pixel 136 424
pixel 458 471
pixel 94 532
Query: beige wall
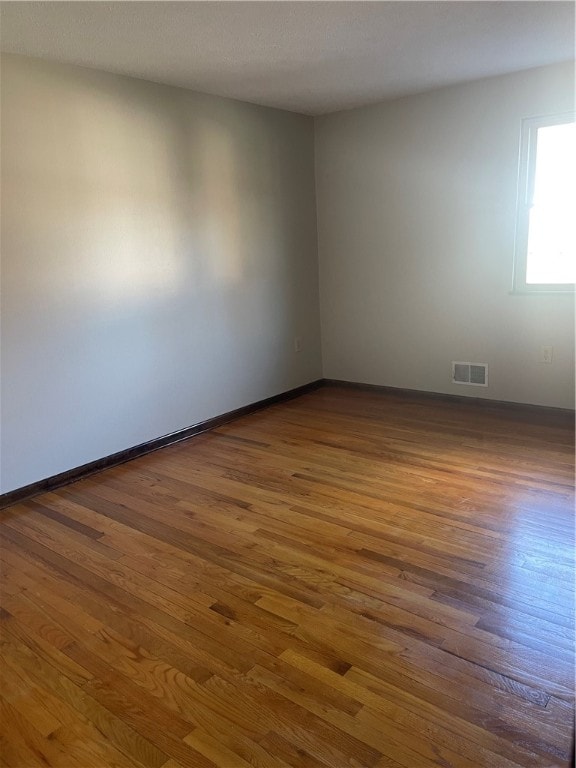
pixel 416 217
pixel 158 259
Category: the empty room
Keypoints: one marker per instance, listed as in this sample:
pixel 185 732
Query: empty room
pixel 287 384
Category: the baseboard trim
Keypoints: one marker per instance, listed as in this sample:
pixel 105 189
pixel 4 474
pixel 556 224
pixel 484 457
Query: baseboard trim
pixel 78 473
pixel 483 402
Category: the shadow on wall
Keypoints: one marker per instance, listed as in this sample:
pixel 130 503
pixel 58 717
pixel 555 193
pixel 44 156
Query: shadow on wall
pixel 241 233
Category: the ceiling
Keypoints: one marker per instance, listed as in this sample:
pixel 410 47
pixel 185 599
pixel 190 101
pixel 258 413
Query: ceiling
pixel 310 57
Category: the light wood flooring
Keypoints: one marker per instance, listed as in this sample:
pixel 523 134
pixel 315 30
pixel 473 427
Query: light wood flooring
pixel 350 578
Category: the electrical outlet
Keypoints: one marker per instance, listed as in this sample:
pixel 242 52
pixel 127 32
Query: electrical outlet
pixel 297 344
pixel 546 354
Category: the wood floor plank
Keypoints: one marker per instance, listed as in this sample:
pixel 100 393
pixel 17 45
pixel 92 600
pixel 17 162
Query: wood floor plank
pixel 350 578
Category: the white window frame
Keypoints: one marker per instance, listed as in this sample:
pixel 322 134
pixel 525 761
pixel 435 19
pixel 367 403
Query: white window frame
pixel 526 174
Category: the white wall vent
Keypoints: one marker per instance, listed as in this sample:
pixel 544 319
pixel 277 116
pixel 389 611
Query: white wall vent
pixel 470 373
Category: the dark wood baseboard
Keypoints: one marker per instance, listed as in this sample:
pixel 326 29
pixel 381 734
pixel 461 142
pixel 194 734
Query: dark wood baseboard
pixel 546 411
pixel 545 414
pixel 78 473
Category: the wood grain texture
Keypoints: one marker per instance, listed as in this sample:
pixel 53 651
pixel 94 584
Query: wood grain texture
pixel 352 578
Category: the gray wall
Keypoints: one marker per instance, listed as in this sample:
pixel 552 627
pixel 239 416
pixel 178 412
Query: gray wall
pixel 416 217
pixel 158 260
pixel 159 255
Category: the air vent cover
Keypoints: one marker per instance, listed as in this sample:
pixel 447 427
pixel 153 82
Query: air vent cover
pixel 475 374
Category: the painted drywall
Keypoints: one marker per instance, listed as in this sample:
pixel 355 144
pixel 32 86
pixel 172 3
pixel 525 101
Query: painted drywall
pixel 159 258
pixel 416 218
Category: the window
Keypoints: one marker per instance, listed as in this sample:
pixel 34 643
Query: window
pixel 545 257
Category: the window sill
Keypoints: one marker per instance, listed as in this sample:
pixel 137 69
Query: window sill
pixel 541 291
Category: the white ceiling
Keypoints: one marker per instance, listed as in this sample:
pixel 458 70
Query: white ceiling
pixel 311 57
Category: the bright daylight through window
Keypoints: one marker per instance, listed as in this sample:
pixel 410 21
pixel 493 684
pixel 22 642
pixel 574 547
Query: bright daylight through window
pixel 546 235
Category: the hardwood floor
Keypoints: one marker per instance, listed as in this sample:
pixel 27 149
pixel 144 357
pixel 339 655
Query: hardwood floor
pixel 347 579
